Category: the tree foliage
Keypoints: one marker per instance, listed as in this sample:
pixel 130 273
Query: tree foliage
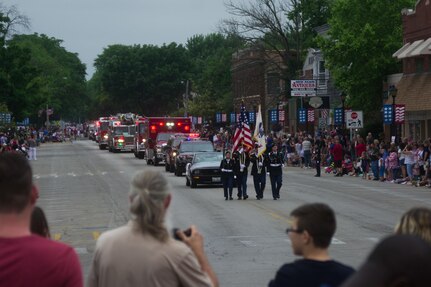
pixel 285 27
pixel 36 71
pixel 362 38
pixel 142 79
pixel 211 57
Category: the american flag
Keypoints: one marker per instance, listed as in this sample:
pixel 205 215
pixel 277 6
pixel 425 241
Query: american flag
pixel 242 133
pixel 310 115
pixel 324 113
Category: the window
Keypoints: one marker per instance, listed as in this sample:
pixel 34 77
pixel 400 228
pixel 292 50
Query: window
pixel 322 73
pixel 419 64
pixel 310 60
pixel 273 83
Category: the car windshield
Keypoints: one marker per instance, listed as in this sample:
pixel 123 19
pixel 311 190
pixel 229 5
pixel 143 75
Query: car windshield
pixel 208 157
pixel 192 147
pixel 163 136
pixel 177 141
pixel 132 130
pixel 104 126
pixel 121 130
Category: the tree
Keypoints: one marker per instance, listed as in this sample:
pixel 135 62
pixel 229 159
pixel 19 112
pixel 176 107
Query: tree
pixel 57 79
pixel 362 38
pixel 285 27
pixel 12 21
pixel 142 79
pixel 211 57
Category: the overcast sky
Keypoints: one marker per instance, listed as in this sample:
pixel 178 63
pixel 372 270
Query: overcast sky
pixel 87 26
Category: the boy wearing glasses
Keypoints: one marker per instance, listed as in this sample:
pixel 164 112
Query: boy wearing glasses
pixel 310 233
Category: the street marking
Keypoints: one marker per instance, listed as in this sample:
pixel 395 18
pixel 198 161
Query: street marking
pixel 36 176
pixel 121 171
pixel 96 235
pixel 53 175
pixel 71 174
pixel 336 241
pixel 81 250
pixel 248 243
pixel 373 239
pixel 89 173
pixel 103 172
pixel 57 236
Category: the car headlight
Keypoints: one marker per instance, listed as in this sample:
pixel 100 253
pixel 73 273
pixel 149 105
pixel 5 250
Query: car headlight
pixel 105 137
pixel 144 140
pixel 197 171
pixel 174 154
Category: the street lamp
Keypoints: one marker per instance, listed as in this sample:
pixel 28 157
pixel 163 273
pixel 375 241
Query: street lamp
pixel 186 98
pixel 393 92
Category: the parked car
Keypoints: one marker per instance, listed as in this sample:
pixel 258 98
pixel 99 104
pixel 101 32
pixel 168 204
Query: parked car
pixel 204 169
pixel 171 152
pixel 186 151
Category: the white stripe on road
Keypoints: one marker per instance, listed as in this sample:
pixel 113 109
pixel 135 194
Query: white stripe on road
pixel 248 243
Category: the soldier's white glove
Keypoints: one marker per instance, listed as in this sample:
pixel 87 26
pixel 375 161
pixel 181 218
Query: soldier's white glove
pixel 260 164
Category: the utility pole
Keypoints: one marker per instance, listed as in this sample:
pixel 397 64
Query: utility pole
pixel 186 99
pixel 47 116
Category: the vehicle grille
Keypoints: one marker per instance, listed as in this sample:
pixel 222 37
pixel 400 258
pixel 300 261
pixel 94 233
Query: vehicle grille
pixel 215 171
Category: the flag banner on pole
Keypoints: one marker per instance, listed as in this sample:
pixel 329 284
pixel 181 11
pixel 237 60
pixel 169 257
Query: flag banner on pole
pixel 242 134
pixel 387 114
pixel 232 118
pixel 302 116
pixel 281 114
pixel 199 120
pixel 223 118
pixel 338 116
pixel 252 117
pixel 310 115
pixel 324 113
pixel 273 116
pixel 400 113
pixel 259 134
pixel 237 117
pixel 218 117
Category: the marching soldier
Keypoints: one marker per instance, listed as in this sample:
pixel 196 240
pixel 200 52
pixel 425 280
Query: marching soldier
pixel 258 171
pixel 275 165
pixel 242 161
pixel 226 167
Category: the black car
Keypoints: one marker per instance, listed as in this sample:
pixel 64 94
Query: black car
pixel 171 153
pixel 186 151
pixel 204 169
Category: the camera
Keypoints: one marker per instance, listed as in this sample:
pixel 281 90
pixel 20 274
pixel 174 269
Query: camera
pixel 187 232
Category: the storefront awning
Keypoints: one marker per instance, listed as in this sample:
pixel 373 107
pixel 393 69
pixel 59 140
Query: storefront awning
pixel 417 48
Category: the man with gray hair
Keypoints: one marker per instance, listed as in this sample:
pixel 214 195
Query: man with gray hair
pixel 142 253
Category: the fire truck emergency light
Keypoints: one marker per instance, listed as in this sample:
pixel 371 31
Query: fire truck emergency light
pixel 161 124
pixel 153 129
pixel 179 124
pixel 170 124
pixel 186 128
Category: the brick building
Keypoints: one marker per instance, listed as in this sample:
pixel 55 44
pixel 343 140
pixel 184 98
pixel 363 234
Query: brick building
pixel 414 85
pixel 257 79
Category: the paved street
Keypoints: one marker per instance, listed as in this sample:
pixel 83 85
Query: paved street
pixel 84 193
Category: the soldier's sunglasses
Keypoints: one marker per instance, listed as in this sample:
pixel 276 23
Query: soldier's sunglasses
pixel 288 230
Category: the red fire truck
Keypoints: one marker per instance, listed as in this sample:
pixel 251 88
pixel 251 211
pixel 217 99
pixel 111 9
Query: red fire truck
pixel 102 127
pixel 153 133
pixel 121 133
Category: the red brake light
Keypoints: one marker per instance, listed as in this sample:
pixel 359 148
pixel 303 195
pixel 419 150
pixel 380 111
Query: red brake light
pixel 179 124
pixel 161 124
pixel 153 129
pixel 186 128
